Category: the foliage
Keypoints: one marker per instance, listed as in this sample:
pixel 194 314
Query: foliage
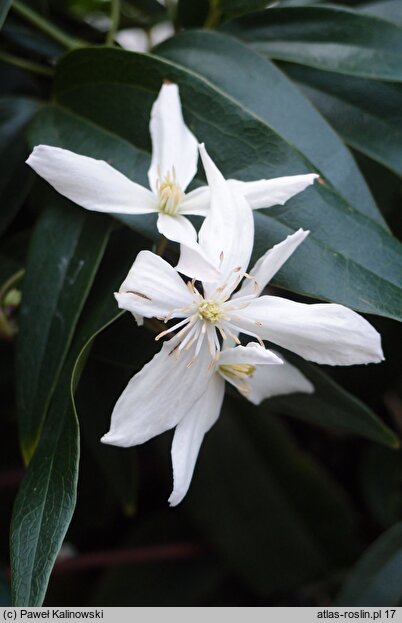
pixel 295 502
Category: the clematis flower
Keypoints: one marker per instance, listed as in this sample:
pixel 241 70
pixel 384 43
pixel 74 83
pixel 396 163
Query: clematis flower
pixel 324 333
pixel 246 368
pixel 95 185
pixel 187 377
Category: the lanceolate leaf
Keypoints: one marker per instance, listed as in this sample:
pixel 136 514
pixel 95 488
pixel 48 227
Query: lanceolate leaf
pixel 65 251
pixel 386 9
pixel 376 578
pixel 366 113
pixel 46 500
pixel 257 85
pixel 331 38
pixel 331 407
pixel 329 266
pixel 15 179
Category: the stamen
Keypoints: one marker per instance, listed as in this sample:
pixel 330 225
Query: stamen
pixel 176 326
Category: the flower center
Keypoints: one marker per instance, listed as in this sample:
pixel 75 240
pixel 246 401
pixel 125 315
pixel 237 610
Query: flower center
pixel 170 193
pixel 210 311
pixel 237 370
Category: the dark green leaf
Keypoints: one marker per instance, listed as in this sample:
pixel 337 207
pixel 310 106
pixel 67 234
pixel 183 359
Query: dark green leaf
pixel 112 87
pixel 367 114
pixel 46 500
pixel 257 85
pixel 44 505
pixel 332 38
pixel 240 504
pixel 376 578
pixel 387 9
pixel 16 179
pixel 65 251
pixel 310 488
pixel 331 407
pixel 4 9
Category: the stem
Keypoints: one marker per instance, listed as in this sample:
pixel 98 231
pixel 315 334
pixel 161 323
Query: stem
pixel 114 19
pixel 214 15
pixel 35 68
pixel 45 26
pixel 136 555
pixel 161 246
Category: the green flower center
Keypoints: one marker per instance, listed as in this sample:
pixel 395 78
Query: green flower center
pixel 210 311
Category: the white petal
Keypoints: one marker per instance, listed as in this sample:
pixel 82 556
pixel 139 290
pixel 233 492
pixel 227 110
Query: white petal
pixel 252 354
pixel 324 333
pixel 173 144
pixel 92 184
pixel 153 288
pixel 159 396
pixel 196 202
pixel 269 264
pixel 227 234
pixel 192 258
pixel 189 434
pixel 277 191
pixel 267 382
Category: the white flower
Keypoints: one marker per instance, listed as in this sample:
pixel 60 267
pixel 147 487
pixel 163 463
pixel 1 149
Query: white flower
pixel 246 368
pixel 324 333
pixel 95 185
pixel 183 385
pixel 168 393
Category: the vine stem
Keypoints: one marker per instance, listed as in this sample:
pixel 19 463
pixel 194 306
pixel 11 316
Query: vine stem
pixel 114 19
pixel 45 26
pixel 35 68
pixel 214 15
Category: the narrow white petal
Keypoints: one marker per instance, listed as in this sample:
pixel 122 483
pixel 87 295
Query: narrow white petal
pixel 189 434
pixel 269 264
pixel 159 396
pixel 227 233
pixel 325 333
pixel 252 354
pixel 92 184
pixel 267 382
pixel 193 261
pixel 153 288
pixel 277 191
pixel 173 144
pixel 196 202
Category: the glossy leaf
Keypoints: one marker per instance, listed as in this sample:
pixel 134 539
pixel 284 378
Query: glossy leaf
pixel 364 112
pixel 365 276
pixel 233 8
pixel 376 578
pixel 313 492
pixel 257 85
pixel 46 500
pixel 390 10
pixel 16 179
pixel 248 514
pixel 332 38
pixel 331 407
pixel 66 248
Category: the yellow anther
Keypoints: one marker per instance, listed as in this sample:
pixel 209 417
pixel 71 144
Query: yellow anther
pixel 210 311
pixel 237 370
